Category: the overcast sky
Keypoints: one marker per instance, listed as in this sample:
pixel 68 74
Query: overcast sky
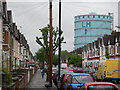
pixel 30 16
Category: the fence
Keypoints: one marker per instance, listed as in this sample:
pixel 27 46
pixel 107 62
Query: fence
pixel 20 81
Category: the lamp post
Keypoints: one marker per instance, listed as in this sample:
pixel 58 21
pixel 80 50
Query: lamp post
pixel 59 53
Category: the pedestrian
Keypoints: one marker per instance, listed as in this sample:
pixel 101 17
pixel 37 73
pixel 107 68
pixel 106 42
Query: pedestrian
pixel 43 72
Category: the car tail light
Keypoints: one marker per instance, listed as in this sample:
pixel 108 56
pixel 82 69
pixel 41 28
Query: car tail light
pixel 90 73
pixel 70 87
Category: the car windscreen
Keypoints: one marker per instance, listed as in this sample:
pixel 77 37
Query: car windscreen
pixel 101 87
pixel 82 79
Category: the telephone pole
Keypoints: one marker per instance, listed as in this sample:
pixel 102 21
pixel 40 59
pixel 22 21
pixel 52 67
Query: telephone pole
pixel 50 46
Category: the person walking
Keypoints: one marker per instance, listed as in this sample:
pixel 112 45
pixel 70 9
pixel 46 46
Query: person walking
pixel 43 72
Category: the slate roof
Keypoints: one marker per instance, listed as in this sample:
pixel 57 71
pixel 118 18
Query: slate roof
pixel 112 39
pixel 106 39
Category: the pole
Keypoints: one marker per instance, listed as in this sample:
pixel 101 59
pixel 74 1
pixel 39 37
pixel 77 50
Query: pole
pixel 50 45
pixel 1 40
pixel 59 54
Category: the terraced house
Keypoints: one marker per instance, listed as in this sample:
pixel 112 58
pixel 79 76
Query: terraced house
pixel 94 52
pixel 13 45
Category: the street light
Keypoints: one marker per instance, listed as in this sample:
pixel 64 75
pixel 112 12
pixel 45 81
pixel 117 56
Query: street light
pixel 59 53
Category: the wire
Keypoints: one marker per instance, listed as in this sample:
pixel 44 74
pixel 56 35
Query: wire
pixel 30 9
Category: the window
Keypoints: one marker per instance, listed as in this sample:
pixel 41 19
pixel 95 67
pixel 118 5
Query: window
pixel 86 24
pixel 118 49
pixel 69 79
pixel 101 87
pixel 82 79
pixel 93 16
pixel 98 16
pixel 112 50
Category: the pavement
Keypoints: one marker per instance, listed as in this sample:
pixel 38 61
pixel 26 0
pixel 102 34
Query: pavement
pixel 38 82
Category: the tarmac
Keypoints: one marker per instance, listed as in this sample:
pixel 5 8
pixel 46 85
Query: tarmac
pixel 38 83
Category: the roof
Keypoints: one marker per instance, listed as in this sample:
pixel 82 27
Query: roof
pixel 106 39
pixel 79 74
pixel 68 73
pixel 97 83
pixel 93 15
pixel 112 39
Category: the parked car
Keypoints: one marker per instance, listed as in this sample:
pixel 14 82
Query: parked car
pixel 86 70
pixel 63 79
pixel 75 69
pixel 99 86
pixel 90 71
pixel 76 80
pixel 63 71
pixel 70 69
pixel 79 70
pixel 54 70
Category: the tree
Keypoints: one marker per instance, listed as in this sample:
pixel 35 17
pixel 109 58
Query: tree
pixel 76 60
pixel 40 56
pixel 44 39
pixel 55 60
pixel 64 55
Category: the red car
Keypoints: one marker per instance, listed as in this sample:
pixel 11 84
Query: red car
pixel 64 78
pixel 99 86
